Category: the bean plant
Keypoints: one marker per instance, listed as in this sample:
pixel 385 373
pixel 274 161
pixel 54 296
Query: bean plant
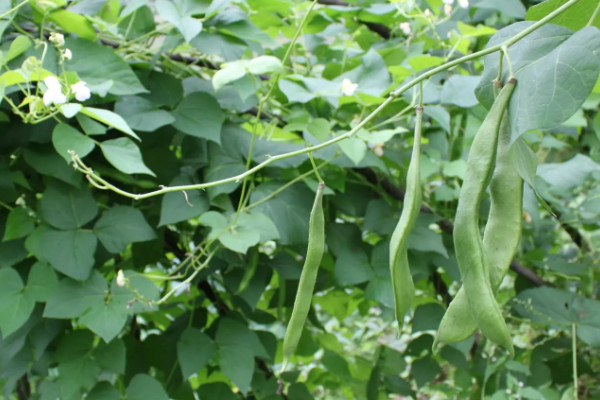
pixel 327 199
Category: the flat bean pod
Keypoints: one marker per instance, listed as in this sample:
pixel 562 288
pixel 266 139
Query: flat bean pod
pixel 308 277
pixel 472 260
pixel 402 282
pixel 500 238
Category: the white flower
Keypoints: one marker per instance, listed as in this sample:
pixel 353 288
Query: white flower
pixel 67 54
pixel 447 9
pixel 405 26
pixel 448 2
pixel 53 94
pixel 81 91
pixel 348 88
pixel 427 13
pixel 463 3
pixel 120 278
pixel 57 39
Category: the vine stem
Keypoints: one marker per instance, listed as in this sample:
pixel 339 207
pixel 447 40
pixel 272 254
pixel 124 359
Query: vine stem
pixel 261 105
pixel 78 164
pixel 574 351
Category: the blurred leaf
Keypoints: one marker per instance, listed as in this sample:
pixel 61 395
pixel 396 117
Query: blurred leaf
pixel 125 156
pixel 121 226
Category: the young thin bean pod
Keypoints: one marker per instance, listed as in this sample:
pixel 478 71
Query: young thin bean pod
pixel 500 238
pixel 472 261
pixel 402 282
pixel 308 277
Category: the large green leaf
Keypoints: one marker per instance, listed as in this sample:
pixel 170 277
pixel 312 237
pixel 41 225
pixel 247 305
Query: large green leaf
pixel 106 318
pixel 141 114
pixel 555 306
pixel 185 23
pixel 70 252
pixel 109 118
pixel 194 350
pixel 121 226
pixel 125 156
pixel 100 66
pixel 289 210
pixel 18 224
pixel 72 298
pixel 67 207
pixel 555 70
pixel 238 346
pixel 65 138
pixel 574 18
pixel 144 387
pixel 41 282
pixel 15 305
pixel 199 115
pixel 237 238
pixel 178 206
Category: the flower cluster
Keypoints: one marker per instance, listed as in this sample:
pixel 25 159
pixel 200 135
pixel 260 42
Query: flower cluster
pixel 54 94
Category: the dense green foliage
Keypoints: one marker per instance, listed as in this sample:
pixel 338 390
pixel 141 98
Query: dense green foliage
pixel 159 162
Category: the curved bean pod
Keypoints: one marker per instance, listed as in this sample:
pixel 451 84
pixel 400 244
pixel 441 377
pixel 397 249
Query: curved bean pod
pixel 500 238
pixel 308 277
pixel 472 261
pixel 402 282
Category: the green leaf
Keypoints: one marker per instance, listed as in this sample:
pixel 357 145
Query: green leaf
pixel 555 306
pixel 237 238
pixel 260 223
pixel 352 267
pixel 18 46
pixel 216 390
pixel 141 114
pixel 106 318
pixel 264 65
pixel 575 17
pixel 47 162
pixel 188 26
pixel 372 75
pixel 103 391
pixel 460 90
pixel 112 356
pixel 144 387
pixel 109 118
pixel 555 72
pixel 424 239
pixel 121 226
pixel 87 58
pixel 18 224
pixel 289 210
pixel 125 156
pixel 194 350
pixel 70 252
pixel 15 306
pixel 73 23
pixel 228 73
pixel 295 92
pixel 354 148
pixel 72 298
pixel 199 115
pixel 510 8
pixel 42 282
pixel 67 207
pixel 175 207
pixel 238 346
pixel 569 174
pixel 65 138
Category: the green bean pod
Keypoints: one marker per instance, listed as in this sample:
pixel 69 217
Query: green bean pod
pixel 402 283
pixel 308 277
pixel 468 244
pixel 500 238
